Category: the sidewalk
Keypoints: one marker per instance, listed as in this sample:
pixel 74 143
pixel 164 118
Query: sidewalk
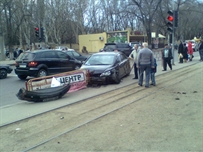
pixel 8 62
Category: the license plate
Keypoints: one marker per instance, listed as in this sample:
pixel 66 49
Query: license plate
pixel 22 66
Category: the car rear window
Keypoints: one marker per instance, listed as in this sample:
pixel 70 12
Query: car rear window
pixel 110 47
pixel 122 45
pixel 26 56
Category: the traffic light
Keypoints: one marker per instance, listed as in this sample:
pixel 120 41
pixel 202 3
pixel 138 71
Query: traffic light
pixel 42 33
pixel 36 31
pixel 175 18
pixel 170 19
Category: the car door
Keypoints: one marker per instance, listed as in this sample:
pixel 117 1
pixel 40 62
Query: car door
pixel 126 63
pixel 64 61
pixel 121 65
pixel 50 60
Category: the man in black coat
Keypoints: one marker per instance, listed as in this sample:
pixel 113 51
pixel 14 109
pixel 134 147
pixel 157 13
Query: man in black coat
pixel 201 50
pixel 180 52
pixel 166 57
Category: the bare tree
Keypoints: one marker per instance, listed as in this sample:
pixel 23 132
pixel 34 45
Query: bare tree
pixel 147 10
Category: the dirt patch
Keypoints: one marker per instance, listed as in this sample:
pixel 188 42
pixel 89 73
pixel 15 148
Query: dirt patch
pixel 168 117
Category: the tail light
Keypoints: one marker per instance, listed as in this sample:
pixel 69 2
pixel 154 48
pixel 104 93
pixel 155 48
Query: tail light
pixel 32 64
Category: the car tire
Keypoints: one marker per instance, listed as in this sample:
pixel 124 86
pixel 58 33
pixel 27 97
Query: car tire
pixel 117 78
pixel 42 73
pixel 22 77
pixel 3 74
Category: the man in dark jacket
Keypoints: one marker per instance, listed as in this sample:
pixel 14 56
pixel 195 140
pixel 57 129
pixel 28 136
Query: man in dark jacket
pixel 180 52
pixel 201 50
pixel 166 57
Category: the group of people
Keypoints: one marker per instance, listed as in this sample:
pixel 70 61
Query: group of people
pixel 144 61
pixel 185 52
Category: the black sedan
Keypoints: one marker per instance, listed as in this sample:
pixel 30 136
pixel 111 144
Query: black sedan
pixel 4 70
pixel 107 67
pixel 72 53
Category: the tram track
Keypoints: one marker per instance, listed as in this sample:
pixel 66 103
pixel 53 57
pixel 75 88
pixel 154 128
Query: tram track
pixel 69 118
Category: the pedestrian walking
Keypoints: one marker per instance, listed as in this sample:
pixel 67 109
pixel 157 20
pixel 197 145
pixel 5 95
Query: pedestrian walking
pixel 201 50
pixel 166 57
pixel 133 55
pixel 153 71
pixel 180 52
pixel 145 61
pixel 185 55
pixel 190 51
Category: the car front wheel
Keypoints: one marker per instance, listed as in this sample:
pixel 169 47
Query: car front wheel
pixel 3 74
pixel 42 73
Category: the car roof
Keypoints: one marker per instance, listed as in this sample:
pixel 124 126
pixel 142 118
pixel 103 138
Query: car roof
pixel 71 50
pixel 39 51
pixel 107 53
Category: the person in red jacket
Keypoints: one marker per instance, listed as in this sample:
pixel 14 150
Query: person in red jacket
pixel 190 50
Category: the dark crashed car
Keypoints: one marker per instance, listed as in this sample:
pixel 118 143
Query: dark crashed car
pixel 107 67
pixel 4 70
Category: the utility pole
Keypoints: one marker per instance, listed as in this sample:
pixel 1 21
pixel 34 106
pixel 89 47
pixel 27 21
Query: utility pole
pixel 41 10
pixel 2 57
pixel 173 36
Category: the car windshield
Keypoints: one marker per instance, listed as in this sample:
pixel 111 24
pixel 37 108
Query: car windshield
pixel 100 60
pixel 25 56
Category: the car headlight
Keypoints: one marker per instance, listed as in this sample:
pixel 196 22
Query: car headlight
pixel 107 73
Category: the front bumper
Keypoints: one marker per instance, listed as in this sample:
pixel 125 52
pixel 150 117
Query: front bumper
pixel 101 80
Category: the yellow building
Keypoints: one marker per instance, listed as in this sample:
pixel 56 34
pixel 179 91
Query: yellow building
pixel 95 42
pixel 92 42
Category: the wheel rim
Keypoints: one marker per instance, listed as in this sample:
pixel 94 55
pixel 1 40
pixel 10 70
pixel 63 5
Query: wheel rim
pixel 42 73
pixel 3 73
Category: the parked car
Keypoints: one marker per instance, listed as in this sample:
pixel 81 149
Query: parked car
pixel 133 43
pixel 121 47
pixel 107 67
pixel 72 53
pixel 61 48
pixel 4 70
pixel 44 62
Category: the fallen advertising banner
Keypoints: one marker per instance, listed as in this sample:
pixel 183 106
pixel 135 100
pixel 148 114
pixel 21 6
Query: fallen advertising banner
pixel 78 79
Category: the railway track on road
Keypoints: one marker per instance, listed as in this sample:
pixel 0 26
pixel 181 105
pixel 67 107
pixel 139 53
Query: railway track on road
pixel 36 131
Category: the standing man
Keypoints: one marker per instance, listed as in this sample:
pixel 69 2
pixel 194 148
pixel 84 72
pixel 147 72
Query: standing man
pixel 167 56
pixel 180 52
pixel 145 61
pixel 201 50
pixel 133 55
